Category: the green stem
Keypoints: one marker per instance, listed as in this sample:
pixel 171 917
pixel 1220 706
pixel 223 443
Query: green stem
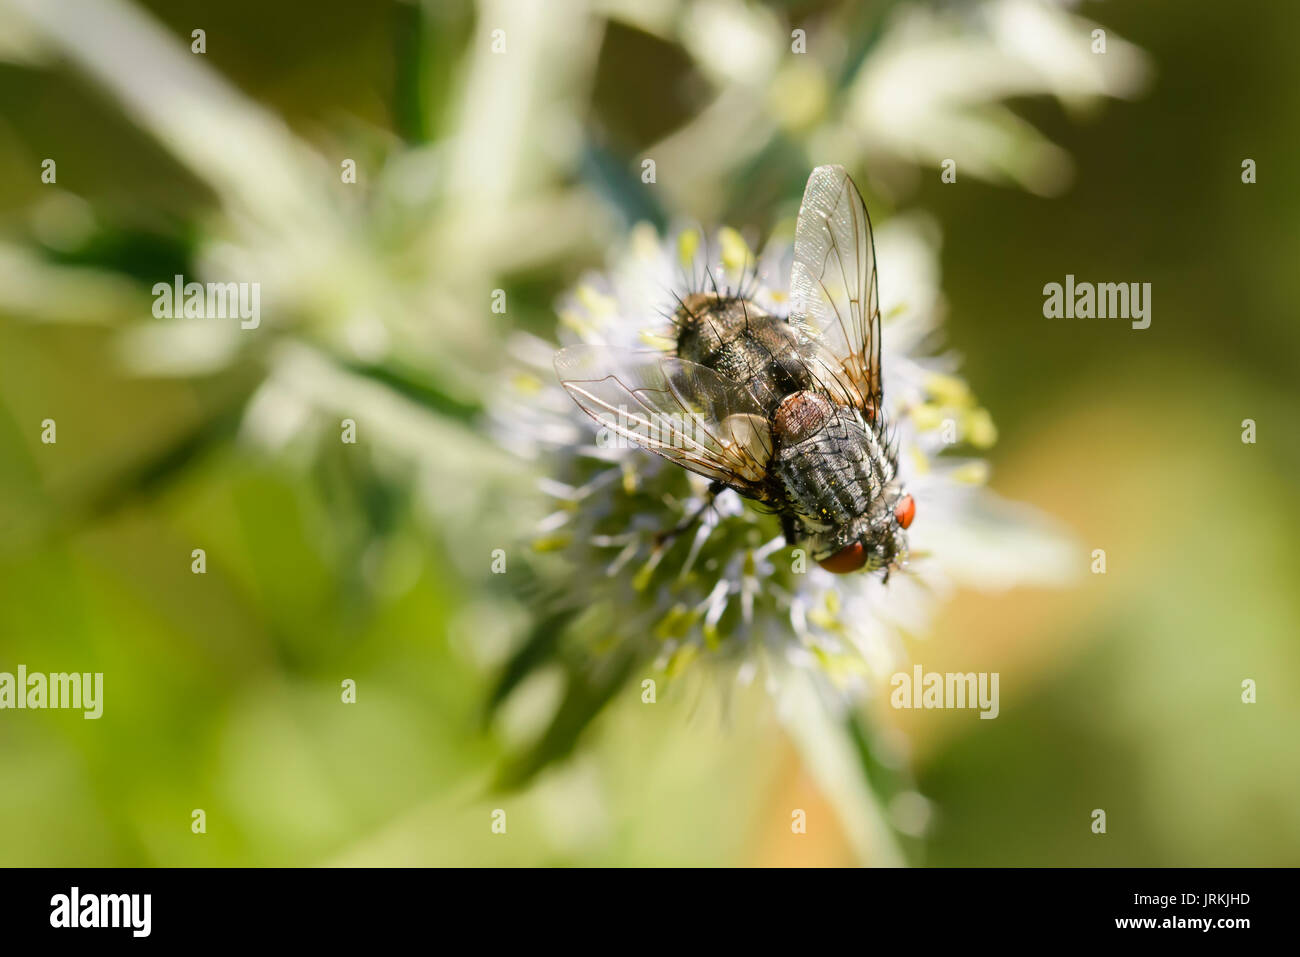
pixel 833 758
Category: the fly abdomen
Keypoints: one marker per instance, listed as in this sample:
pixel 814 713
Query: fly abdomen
pixel 740 341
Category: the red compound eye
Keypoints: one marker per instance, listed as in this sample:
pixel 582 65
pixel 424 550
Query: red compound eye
pixel 848 559
pixel 905 511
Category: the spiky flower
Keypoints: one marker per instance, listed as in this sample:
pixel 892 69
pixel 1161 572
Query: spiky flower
pixel 731 590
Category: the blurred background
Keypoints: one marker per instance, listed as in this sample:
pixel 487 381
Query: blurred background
pixel 513 161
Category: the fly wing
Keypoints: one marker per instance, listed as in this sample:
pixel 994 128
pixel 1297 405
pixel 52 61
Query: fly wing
pixel 676 408
pixel 833 292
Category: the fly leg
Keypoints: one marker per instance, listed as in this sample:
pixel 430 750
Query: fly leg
pixel 662 538
pixel 788 529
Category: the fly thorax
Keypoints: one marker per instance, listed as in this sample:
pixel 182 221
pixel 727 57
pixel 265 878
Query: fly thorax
pixel 823 460
pixel 799 416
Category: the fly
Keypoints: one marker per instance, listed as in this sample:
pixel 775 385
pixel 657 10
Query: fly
pixel 786 410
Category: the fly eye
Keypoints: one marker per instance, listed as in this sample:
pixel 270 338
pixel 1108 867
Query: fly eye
pixel 905 511
pixel 848 559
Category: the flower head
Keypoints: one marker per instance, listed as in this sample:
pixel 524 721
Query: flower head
pixel 727 587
